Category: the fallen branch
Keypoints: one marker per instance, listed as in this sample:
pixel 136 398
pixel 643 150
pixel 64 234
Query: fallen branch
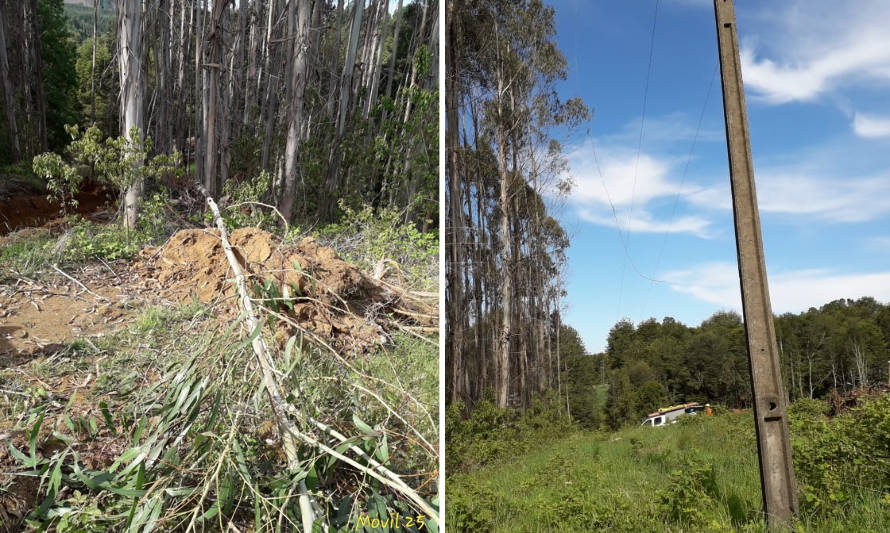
pixel 288 431
pixel 57 269
pixel 286 428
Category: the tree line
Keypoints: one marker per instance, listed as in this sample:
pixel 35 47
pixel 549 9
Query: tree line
pixel 505 250
pixel 332 100
pixel 840 346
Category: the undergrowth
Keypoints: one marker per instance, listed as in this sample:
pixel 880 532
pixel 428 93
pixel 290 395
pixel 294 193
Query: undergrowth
pixel 367 236
pixel 164 426
pixel 82 240
pixel 699 475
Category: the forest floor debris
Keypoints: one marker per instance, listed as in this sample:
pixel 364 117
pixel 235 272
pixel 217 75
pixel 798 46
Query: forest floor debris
pixel 308 284
pixel 70 335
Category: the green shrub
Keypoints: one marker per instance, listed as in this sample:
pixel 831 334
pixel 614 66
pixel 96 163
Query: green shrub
pixel 86 240
pixel 836 459
pixel 367 236
pixel 242 210
pixel 691 490
pixel 62 180
pixel 491 434
pixel 471 505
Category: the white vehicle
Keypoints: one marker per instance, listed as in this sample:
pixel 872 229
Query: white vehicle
pixel 669 415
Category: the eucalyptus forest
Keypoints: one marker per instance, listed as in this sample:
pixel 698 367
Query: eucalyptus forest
pixel 505 252
pixel 218 265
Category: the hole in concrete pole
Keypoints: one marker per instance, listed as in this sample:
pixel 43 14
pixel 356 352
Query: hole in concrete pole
pixel 772 406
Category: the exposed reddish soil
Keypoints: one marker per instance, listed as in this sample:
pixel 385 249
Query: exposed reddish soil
pixel 39 317
pixel 35 210
pixel 331 298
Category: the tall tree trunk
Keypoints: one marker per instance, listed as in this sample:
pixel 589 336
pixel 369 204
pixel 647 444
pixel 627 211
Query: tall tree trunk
pixel 251 62
pixel 130 57
pixel 325 206
pixel 213 69
pixel 455 228
pixel 8 95
pixel 395 49
pixel 162 138
pixel 349 66
pixel 180 91
pixel 36 60
pixel 297 85
pixel 426 5
pixel 506 333
pixel 93 64
pixel 330 107
pixel 198 97
pixel 379 41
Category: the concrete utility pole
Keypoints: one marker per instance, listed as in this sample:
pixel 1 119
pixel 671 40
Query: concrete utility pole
pixel 771 422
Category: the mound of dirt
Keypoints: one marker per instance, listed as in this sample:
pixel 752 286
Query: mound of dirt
pixel 308 283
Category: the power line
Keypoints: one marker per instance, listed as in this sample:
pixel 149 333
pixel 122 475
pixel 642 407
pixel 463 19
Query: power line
pixel 667 232
pixel 639 149
pixel 622 235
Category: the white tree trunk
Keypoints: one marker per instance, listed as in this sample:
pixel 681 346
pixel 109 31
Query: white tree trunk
pixel 132 86
pixel 346 85
pixel 297 83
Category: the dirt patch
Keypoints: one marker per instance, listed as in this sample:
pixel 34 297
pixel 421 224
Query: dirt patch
pixel 308 284
pixel 35 210
pixel 324 294
pixel 39 317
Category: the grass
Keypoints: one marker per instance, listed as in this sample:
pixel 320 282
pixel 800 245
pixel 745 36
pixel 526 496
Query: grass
pixel 139 376
pixel 697 476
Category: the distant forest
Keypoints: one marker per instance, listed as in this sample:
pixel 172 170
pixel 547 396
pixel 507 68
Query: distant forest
pixel 840 346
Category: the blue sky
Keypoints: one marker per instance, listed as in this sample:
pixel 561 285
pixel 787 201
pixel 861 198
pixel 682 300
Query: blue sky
pixel 817 80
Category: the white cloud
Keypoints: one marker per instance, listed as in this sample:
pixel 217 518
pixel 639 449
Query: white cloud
pixel 608 177
pixel 790 292
pixel 871 126
pixel 642 222
pixel 834 198
pixel 810 47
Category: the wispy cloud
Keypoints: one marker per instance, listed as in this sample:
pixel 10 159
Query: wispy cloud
pixel 673 128
pixel 807 48
pixel 610 176
pixel 880 244
pixel 642 221
pixel 811 194
pixel 693 3
pixel 790 291
pixel 871 126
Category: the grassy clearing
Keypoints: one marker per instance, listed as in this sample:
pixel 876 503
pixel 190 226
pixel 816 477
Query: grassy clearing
pixel 697 476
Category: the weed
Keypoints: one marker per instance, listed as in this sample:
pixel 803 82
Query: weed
pixel 366 236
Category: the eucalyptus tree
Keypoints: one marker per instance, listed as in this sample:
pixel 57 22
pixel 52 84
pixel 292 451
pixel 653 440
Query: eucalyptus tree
pixel 132 85
pixel 299 35
pixel 8 95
